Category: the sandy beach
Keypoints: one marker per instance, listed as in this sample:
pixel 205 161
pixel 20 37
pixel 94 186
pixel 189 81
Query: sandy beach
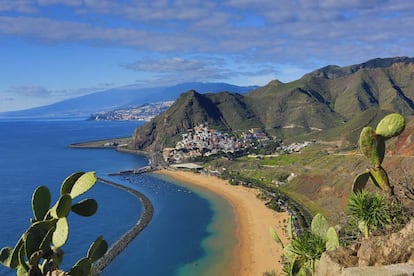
pixel 256 252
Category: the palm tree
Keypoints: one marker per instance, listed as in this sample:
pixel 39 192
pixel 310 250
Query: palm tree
pixel 369 210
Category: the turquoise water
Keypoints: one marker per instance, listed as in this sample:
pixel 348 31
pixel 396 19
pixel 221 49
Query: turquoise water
pixel 191 231
pixel 217 258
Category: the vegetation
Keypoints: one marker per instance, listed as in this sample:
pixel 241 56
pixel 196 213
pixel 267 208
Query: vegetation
pixel 372 145
pixel 369 210
pixel 277 199
pixel 366 211
pixel 322 104
pixel 321 176
pixel 302 253
pixel 38 251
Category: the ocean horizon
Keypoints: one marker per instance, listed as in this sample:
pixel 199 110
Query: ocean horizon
pixel 192 230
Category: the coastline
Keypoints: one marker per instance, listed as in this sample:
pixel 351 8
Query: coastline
pixel 256 251
pixel 109 144
pixel 119 245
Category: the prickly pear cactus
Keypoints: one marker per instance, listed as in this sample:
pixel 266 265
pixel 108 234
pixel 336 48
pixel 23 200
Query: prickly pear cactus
pixel 332 239
pixel 41 202
pixel 391 125
pixel 38 251
pixel 319 225
pixel 372 145
pixel 380 178
pixel 360 181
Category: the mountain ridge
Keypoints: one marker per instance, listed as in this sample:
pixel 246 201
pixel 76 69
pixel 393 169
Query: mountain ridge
pixel 327 99
pixel 121 97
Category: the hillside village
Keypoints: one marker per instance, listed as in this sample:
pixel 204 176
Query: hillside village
pixel 203 141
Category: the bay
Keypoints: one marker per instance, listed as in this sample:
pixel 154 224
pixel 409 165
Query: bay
pixel 186 221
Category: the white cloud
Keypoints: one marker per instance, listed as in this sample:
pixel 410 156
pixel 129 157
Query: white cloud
pixel 72 3
pixel 258 34
pixel 21 6
pixel 178 69
pixel 30 91
pixel 36 91
pixel 163 65
pixel 7 99
pixel 289 31
pixel 165 71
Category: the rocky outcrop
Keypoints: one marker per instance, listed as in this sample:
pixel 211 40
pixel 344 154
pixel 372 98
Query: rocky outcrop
pixel 391 249
pixel 391 254
pixel 389 270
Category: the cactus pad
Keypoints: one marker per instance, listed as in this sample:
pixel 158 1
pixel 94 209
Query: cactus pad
pixel 97 249
pixel 62 207
pixel 332 240
pixel 380 179
pixel 372 146
pixel 83 184
pixel 68 183
pixel 319 225
pixel 41 202
pixel 35 235
pixel 81 268
pixel 86 207
pixel 60 236
pixel 360 181
pixel 391 125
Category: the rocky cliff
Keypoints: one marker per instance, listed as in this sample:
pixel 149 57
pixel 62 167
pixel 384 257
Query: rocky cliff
pixel 391 254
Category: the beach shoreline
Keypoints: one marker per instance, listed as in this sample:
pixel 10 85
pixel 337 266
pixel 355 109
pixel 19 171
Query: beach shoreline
pixel 256 252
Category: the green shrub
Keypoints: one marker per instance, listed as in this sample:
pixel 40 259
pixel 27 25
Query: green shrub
pixel 369 210
pixel 302 253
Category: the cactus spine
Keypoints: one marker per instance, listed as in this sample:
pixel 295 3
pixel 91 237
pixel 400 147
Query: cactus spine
pixel 372 146
pixel 38 251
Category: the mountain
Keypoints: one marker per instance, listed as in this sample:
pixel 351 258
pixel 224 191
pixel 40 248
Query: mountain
pixel 332 102
pixel 189 110
pixel 121 97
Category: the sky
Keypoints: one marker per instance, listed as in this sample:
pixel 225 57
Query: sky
pixel 51 50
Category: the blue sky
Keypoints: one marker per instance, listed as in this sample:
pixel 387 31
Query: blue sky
pixel 52 50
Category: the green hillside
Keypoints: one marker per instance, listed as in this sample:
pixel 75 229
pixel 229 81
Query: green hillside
pixel 331 103
pixel 223 111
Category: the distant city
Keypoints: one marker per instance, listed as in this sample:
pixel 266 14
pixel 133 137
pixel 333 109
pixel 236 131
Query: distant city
pixel 143 112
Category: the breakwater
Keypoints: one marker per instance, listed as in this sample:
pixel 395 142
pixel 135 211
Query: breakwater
pixel 144 169
pixel 117 247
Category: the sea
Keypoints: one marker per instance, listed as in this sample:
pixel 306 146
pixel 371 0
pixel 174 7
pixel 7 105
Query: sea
pixel 192 229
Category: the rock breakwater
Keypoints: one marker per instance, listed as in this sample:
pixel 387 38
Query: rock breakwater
pixel 122 243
